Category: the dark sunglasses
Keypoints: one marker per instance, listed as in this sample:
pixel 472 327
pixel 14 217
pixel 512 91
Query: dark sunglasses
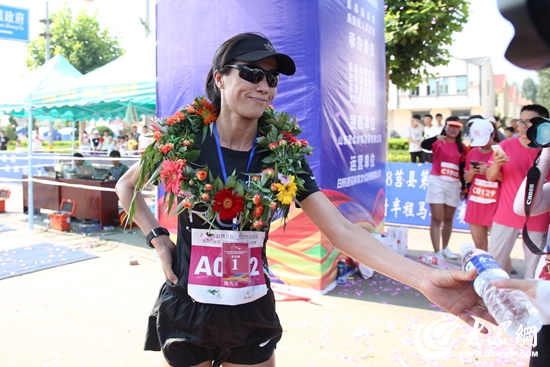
pixel 256 75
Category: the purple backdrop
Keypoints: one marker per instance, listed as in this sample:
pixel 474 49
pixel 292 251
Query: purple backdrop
pixel 337 93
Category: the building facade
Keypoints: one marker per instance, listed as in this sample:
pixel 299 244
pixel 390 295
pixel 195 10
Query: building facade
pixel 462 88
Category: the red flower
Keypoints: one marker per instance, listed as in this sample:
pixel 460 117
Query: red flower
pixel 187 203
pixel 304 142
pixel 274 145
pixel 257 199
pixel 172 174
pixel 274 187
pixel 205 197
pixel 290 138
pixel 186 143
pixel 166 148
pixel 228 204
pixel 201 175
pixel 157 135
pixel 208 187
pixel 258 211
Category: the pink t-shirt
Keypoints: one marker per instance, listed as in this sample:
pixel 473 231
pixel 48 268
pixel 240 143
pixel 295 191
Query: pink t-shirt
pixel 513 173
pixel 483 195
pixel 446 160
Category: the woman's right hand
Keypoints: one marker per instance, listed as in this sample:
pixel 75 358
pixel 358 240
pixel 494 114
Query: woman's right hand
pixel 165 250
pixel 527 286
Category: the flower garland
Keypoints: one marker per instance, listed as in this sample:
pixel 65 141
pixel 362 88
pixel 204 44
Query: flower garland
pixel 253 202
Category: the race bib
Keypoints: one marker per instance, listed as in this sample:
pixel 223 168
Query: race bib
pixel 483 191
pixel 226 267
pixel 449 172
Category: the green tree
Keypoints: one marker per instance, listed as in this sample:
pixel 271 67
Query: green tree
pixel 417 33
pixel 13 121
pixel 10 132
pixel 80 40
pixel 529 89
pixel 543 89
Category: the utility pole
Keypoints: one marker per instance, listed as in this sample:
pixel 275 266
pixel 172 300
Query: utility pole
pixel 47 35
pixel 145 23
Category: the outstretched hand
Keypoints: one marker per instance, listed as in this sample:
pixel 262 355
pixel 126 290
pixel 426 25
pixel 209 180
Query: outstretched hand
pixel 527 286
pixel 165 250
pixel 452 290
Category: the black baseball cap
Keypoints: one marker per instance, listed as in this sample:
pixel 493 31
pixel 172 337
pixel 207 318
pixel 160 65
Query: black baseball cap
pixel 256 49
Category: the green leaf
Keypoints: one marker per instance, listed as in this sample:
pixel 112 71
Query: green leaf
pixel 192 155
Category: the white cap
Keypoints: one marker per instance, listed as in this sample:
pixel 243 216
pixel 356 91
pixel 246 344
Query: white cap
pixel 465 247
pixel 480 132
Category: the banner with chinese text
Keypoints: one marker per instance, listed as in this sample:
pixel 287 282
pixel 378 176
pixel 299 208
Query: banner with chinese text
pixel 337 96
pixel 406 185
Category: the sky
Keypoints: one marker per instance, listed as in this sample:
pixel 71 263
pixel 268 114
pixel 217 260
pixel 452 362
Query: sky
pixel 487 33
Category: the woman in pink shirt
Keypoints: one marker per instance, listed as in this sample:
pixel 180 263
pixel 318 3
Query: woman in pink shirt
pixel 483 194
pixel 445 183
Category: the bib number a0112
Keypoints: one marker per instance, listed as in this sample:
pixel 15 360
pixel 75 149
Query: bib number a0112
pixel 226 267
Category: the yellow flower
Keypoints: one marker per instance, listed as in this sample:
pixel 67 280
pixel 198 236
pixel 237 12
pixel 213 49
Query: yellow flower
pixel 287 191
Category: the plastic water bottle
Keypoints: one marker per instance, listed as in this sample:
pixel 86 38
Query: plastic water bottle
pixel 511 309
pixel 432 260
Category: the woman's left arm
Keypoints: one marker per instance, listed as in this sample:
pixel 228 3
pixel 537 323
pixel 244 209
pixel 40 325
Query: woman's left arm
pixel 450 289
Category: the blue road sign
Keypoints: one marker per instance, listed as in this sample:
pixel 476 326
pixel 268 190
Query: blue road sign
pixel 14 23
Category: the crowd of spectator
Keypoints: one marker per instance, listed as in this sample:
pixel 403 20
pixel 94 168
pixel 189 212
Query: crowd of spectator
pixel 487 173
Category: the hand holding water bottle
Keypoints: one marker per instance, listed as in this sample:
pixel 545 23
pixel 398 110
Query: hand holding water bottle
pixel 511 309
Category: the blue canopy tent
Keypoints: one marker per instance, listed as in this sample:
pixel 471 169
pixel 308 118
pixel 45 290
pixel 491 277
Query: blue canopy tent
pixel 106 91
pixel 17 99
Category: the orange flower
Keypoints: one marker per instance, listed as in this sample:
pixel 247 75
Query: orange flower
pixel 187 203
pixel 257 224
pixel 258 211
pixel 180 116
pixel 228 204
pixel 257 199
pixel 190 109
pixel 205 197
pixel 208 187
pixel 269 172
pixel 201 175
pixel 166 148
pixel 171 120
pixel 157 135
pixel 207 111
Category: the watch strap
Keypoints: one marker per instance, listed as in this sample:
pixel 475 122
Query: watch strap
pixel 155 233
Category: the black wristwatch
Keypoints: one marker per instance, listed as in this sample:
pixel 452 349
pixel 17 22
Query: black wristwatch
pixel 155 233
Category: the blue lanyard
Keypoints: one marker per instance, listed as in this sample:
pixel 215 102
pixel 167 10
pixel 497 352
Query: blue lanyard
pixel 220 155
